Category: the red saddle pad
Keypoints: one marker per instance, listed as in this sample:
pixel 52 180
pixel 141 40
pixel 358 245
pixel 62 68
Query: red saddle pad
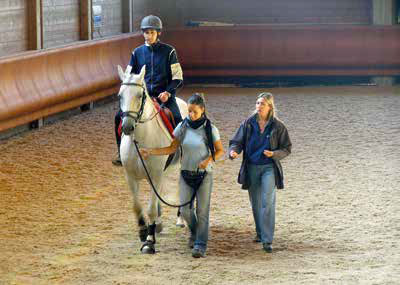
pixel 164 117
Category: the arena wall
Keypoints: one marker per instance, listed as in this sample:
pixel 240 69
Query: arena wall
pixel 45 82
pixel 288 50
pixel 276 12
pixel 41 83
pixel 61 18
pixel 60 23
pixel 287 37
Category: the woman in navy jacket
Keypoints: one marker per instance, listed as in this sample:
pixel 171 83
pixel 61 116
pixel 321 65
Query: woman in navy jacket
pixel 264 140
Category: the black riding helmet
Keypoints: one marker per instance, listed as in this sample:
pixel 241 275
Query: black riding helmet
pixel 151 22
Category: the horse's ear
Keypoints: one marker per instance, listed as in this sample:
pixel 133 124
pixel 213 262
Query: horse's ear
pixel 121 73
pixel 142 73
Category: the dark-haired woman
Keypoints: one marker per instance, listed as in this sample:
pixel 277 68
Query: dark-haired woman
pixel 201 146
pixel 264 140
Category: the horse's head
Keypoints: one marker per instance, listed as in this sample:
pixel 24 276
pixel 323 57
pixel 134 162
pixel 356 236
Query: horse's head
pixel 132 96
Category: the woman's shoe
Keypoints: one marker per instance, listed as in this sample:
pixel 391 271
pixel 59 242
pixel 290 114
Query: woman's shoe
pixel 198 252
pixel 267 247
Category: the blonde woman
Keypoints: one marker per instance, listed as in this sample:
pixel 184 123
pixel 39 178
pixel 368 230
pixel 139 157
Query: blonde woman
pixel 264 140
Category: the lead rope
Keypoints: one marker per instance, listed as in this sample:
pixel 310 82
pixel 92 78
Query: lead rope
pixel 154 188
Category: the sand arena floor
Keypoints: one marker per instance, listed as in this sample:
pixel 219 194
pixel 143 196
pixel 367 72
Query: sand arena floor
pixel 66 218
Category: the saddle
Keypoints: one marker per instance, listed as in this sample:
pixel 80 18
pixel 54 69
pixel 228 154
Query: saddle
pixel 169 122
pixel 166 115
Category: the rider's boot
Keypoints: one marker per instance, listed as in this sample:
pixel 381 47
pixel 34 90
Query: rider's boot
pixel 117 161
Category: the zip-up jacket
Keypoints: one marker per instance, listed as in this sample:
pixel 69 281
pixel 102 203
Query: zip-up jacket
pixel 280 145
pixel 163 71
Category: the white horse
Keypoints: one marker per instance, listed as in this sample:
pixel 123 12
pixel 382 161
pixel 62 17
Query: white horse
pixel 142 123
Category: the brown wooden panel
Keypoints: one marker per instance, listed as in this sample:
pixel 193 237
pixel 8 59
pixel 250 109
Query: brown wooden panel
pixel 279 11
pixel 85 19
pixel 34 25
pixel 40 83
pixel 289 49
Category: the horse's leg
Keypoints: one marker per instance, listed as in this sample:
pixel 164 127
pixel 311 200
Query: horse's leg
pixel 159 224
pixel 179 220
pixel 153 209
pixel 148 246
pixel 137 207
pixel 152 212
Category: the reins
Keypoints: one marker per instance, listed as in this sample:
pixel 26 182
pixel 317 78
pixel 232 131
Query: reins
pixel 154 188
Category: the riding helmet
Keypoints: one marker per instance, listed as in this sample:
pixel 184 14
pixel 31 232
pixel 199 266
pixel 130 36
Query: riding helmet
pixel 151 22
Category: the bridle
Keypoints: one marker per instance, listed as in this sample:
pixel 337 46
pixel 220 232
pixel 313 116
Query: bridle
pixel 136 116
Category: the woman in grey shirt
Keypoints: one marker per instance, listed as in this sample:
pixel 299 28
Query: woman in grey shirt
pixel 201 144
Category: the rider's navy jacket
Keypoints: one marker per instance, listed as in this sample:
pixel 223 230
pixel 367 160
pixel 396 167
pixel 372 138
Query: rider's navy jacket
pixel 163 71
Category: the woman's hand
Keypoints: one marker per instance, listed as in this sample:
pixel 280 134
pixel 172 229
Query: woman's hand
pixel 144 152
pixel 268 153
pixel 204 163
pixel 233 154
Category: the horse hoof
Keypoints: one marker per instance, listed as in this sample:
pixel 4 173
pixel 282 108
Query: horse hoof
pixel 148 248
pixel 159 228
pixel 143 234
